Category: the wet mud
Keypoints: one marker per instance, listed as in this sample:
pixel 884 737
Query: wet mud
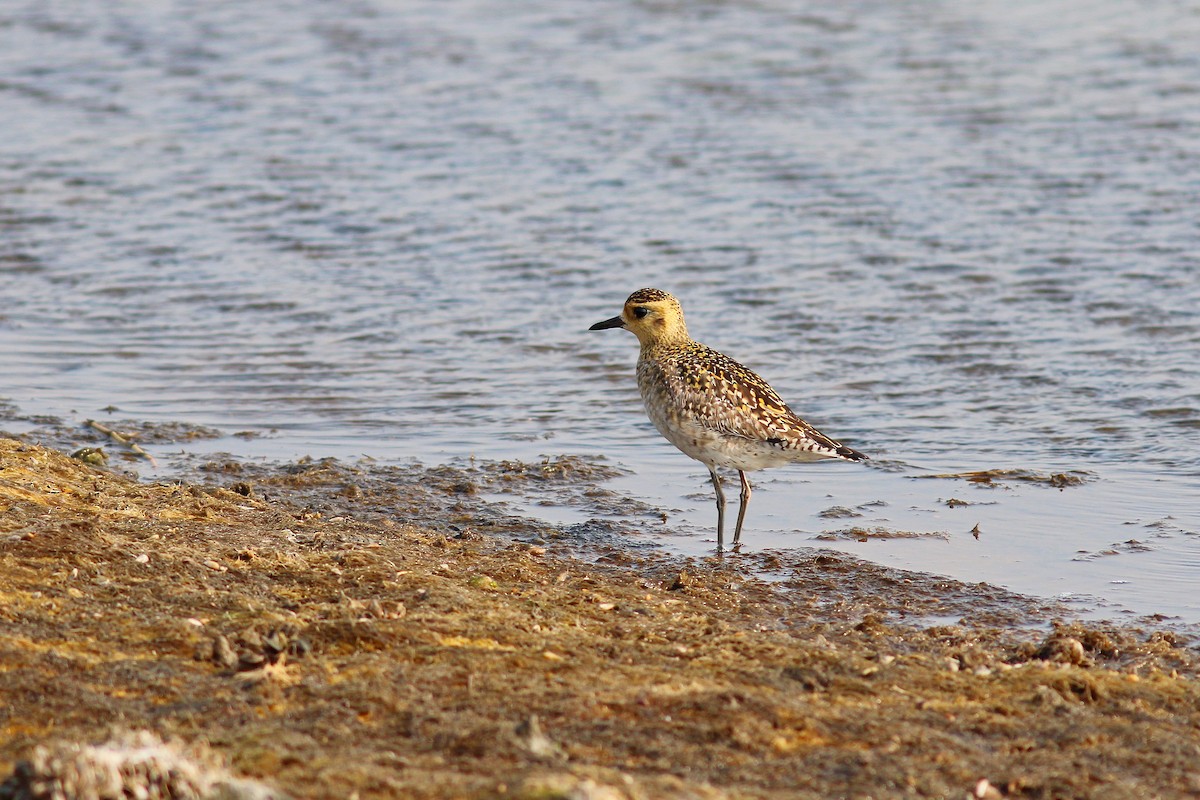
pixel 340 630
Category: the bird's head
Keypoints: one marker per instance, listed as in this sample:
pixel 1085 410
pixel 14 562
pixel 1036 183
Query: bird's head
pixel 652 315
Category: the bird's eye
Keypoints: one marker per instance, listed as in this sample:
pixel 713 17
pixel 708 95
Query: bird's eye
pixel 640 312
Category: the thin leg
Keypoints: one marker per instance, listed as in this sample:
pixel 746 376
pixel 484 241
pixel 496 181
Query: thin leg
pixel 716 480
pixel 745 498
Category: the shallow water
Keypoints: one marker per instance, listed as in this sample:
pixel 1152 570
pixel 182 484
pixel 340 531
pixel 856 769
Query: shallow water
pixel 958 238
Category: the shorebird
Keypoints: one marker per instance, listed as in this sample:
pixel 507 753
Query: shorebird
pixel 711 407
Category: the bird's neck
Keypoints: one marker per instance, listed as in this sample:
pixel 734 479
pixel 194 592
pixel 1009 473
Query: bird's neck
pixel 671 334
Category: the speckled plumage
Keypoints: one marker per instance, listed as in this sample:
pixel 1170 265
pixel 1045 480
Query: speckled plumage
pixel 711 407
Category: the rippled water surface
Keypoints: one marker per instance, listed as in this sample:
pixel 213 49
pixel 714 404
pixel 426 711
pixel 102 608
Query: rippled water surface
pixel 958 237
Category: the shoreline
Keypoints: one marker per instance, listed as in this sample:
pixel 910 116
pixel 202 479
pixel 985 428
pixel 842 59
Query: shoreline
pixel 332 629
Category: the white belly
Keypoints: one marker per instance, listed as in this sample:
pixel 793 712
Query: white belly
pixel 717 449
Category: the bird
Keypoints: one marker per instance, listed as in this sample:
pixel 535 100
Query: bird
pixel 711 407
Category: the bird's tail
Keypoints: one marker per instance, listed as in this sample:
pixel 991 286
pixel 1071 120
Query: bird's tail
pixel 849 453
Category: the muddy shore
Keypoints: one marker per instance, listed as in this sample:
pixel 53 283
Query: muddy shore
pixel 339 631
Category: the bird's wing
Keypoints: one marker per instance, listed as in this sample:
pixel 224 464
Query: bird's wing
pixel 724 396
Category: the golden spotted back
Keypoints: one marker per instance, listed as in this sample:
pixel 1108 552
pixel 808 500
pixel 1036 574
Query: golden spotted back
pixel 713 391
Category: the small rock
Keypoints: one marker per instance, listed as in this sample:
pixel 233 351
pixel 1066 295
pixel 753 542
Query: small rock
pixel 250 661
pixel 250 640
pixel 872 624
pixel 388 610
pixel 485 582
pixel 222 652
pixel 95 456
pixel 274 643
pixel 985 791
pixel 1064 650
pixel 1046 696
pixel 299 648
pixel 530 736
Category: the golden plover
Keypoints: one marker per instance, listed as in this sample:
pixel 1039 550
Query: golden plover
pixel 710 406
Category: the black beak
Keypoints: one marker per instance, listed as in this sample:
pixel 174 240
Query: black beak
pixel 615 322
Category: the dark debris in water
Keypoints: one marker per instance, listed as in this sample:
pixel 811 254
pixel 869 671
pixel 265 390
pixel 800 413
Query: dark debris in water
pixel 557 468
pixel 839 512
pixel 145 432
pixel 996 477
pixel 125 438
pixel 955 502
pixel 1116 549
pixel 861 534
pixel 1165 528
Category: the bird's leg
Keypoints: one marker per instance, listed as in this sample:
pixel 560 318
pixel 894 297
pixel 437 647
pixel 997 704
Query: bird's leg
pixel 745 501
pixel 716 481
